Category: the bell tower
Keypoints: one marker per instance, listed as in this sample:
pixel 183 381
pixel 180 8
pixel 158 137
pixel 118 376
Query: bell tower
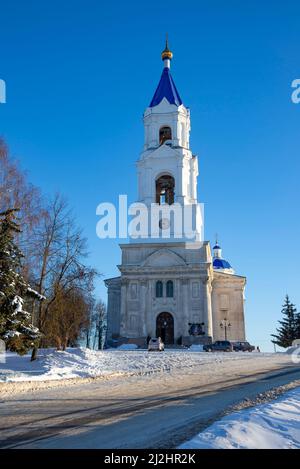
pixel 167 169
pixel 169 285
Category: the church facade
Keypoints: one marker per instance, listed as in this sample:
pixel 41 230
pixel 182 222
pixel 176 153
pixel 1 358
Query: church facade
pixel 172 286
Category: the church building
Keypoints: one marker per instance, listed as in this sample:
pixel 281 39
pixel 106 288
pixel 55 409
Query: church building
pixel 172 287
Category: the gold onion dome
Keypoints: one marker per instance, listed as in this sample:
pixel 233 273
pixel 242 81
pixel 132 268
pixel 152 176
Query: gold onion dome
pixel 166 53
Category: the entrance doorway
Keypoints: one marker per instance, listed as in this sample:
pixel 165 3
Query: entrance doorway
pixel 165 328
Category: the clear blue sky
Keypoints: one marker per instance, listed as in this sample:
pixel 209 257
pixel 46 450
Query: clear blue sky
pixel 79 75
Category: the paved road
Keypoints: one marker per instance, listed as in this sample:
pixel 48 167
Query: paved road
pixel 145 412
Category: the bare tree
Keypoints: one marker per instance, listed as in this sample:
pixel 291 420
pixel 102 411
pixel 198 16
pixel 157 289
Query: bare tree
pixel 17 192
pixel 48 240
pixel 54 247
pixel 94 332
pixel 90 325
pixel 60 253
pixel 69 315
pixel 101 326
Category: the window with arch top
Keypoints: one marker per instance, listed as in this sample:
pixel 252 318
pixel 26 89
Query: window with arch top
pixel 165 133
pixel 170 289
pixel 159 289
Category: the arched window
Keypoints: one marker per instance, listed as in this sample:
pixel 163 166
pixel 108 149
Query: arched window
pixel 159 289
pixel 170 289
pixel 165 133
pixel 165 186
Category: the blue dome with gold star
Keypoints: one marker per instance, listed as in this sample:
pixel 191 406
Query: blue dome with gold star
pixel 221 264
pixel 218 262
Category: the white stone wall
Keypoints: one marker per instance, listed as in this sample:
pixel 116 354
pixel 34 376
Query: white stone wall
pixel 228 302
pixel 200 294
pixel 143 265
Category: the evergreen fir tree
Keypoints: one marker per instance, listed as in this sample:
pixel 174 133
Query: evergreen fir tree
pixel 16 327
pixel 287 331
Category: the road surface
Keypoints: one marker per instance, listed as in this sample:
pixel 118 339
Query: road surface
pixel 159 411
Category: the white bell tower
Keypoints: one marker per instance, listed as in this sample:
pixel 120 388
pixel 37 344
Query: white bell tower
pixel 170 286
pixel 167 169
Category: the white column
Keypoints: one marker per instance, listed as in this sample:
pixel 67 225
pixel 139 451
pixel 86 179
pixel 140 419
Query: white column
pixel 178 184
pixel 146 128
pixel 148 186
pixel 153 132
pixel 149 314
pixel 176 131
pixel 143 303
pixel 185 296
pixel 207 307
pixel 123 316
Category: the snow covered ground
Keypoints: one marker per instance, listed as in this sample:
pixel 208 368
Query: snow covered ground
pixel 275 425
pixel 177 389
pixel 85 363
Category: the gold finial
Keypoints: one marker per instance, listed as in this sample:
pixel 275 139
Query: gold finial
pixel 166 53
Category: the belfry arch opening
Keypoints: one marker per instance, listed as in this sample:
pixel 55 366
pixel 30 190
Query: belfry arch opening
pixel 165 133
pixel 165 189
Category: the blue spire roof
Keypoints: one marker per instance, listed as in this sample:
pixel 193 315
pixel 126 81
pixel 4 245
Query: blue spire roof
pixel 166 89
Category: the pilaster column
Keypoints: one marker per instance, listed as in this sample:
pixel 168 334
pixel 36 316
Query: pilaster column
pixel 123 314
pixel 176 131
pixel 149 308
pixel 148 189
pixel 109 312
pixel 178 181
pixel 143 318
pixel 207 306
pixel 185 305
pixel 153 137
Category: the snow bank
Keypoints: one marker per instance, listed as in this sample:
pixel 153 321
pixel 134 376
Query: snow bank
pixel 127 347
pixel 293 349
pixel 196 348
pixel 85 363
pixel 269 426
